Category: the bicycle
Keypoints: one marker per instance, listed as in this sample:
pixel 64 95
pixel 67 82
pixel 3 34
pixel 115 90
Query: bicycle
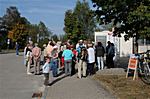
pixel 144 66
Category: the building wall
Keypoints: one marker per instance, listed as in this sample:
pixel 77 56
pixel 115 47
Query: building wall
pixel 122 48
pixel 125 47
pixel 143 48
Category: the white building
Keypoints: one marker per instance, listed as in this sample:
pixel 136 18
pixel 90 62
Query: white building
pixel 123 48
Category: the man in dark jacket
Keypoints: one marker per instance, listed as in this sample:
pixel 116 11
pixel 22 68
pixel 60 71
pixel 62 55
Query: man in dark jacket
pixel 100 51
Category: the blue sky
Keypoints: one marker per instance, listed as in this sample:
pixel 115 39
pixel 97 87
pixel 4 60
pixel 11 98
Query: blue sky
pixel 51 12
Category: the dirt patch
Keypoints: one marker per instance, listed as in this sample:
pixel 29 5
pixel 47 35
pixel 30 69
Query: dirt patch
pixel 124 88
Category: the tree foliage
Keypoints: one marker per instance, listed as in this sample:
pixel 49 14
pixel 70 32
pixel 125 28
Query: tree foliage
pixel 11 17
pixel 43 30
pixel 18 28
pixel 18 33
pixel 79 22
pixel 133 16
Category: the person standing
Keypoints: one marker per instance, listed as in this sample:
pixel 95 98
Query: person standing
pixel 107 56
pixel 36 53
pixel 28 56
pixel 82 63
pixel 24 54
pixel 74 60
pixel 54 61
pixel 49 48
pixel 91 59
pixel 46 69
pixel 67 54
pixel 100 51
pixel 111 54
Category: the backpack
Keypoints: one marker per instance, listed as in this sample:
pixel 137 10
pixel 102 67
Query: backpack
pixel 79 49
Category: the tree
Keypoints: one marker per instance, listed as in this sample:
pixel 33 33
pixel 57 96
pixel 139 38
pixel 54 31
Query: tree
pixel 43 31
pixel 79 23
pixel 19 29
pixel 18 34
pixel 11 17
pixel 133 16
pixel 69 23
pixel 16 25
pixel 33 31
pixel 3 33
pixel 85 20
pixel 55 37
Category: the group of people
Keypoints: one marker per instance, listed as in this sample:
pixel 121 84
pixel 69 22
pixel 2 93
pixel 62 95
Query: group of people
pixel 32 55
pixel 66 57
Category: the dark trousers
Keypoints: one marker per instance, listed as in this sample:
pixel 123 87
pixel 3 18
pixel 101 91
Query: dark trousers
pixel 90 69
pixel 109 61
pixel 46 80
pixel 73 68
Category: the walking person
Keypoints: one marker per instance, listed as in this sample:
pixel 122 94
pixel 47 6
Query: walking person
pixel 82 63
pixel 67 54
pixel 100 51
pixel 36 53
pixel 91 59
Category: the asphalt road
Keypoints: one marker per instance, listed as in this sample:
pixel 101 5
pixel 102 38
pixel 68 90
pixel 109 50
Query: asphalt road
pixel 14 82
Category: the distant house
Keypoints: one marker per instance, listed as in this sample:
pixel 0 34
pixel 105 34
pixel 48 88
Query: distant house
pixel 122 47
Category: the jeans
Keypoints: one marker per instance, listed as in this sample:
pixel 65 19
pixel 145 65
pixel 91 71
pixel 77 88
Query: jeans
pixel 17 51
pixel 68 67
pixel 54 66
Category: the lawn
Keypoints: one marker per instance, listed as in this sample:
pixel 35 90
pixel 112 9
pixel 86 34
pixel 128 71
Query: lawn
pixel 124 88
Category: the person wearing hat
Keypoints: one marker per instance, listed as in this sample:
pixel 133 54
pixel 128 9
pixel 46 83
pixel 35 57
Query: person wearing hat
pixel 36 53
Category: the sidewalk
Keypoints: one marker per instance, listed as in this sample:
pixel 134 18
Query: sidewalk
pixel 74 88
pixel 14 82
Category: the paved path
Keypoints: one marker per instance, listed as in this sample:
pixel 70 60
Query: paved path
pixel 74 88
pixel 14 82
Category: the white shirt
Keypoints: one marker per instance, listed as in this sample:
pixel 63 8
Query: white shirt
pixel 91 55
pixel 46 68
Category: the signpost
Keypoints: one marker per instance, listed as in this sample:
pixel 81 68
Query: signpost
pixel 133 66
